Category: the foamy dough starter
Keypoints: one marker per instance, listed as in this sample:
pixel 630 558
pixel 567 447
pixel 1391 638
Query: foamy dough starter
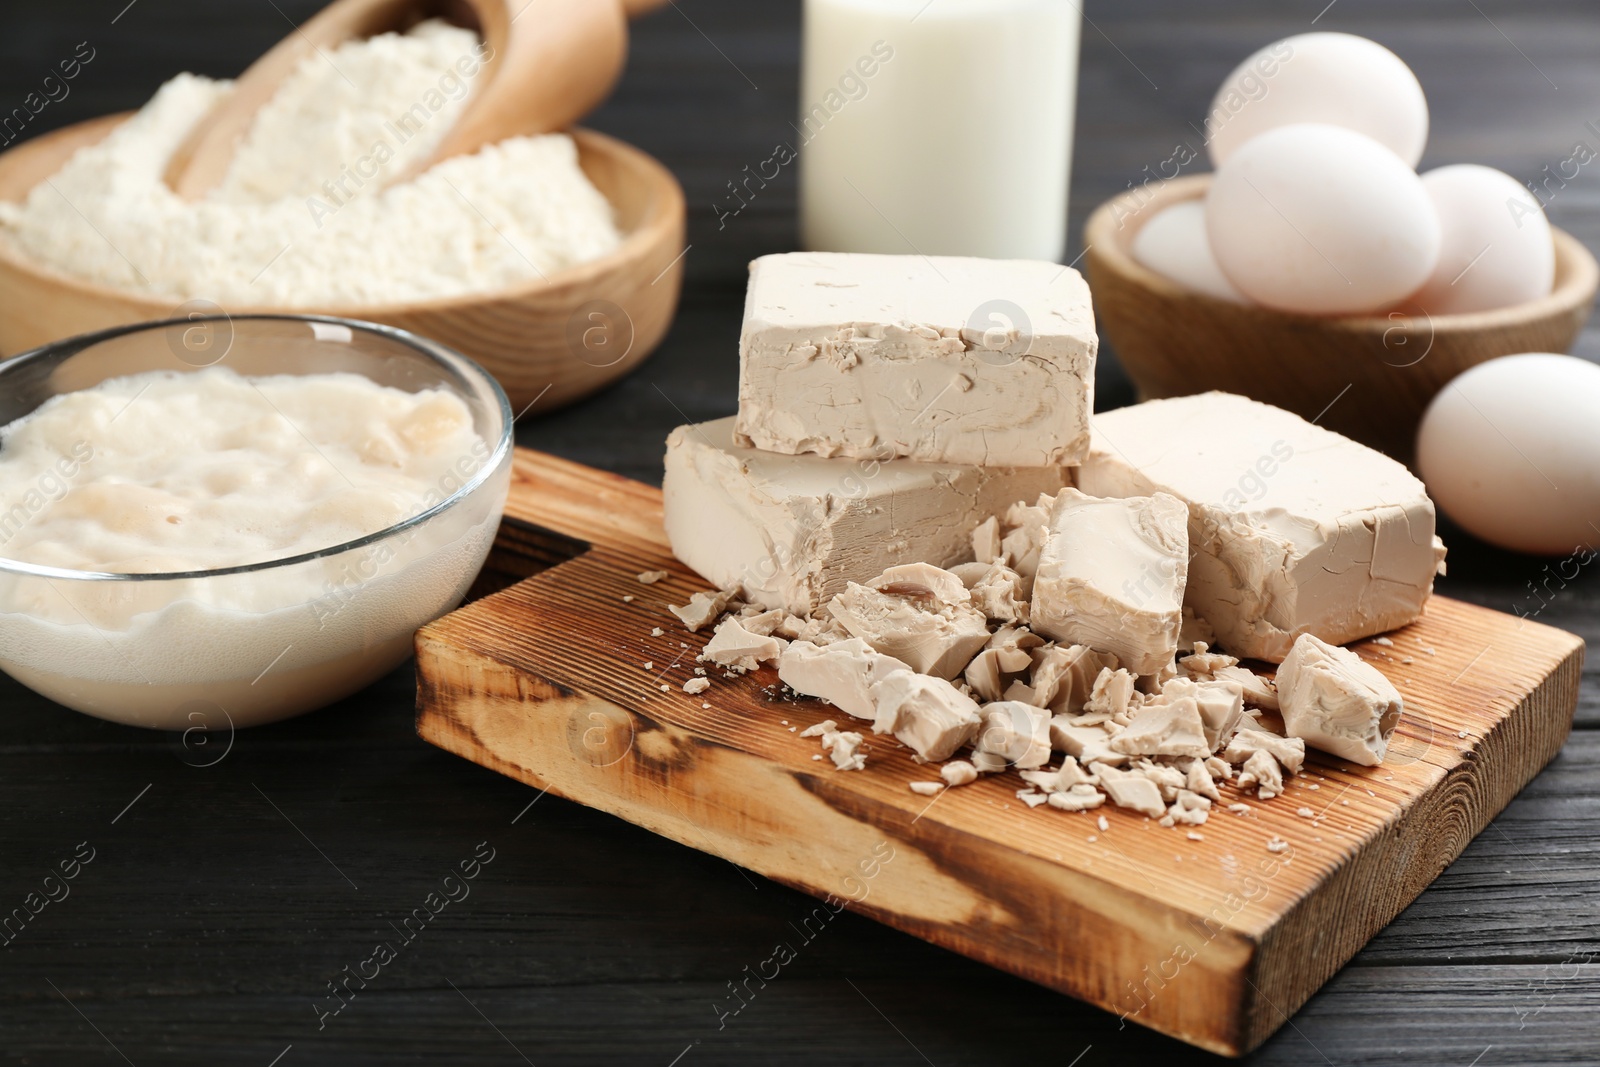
pixel 303 216
pixel 165 473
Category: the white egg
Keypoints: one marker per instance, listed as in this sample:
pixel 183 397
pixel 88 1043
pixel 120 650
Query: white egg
pixel 1173 243
pixel 1511 450
pixel 1495 249
pixel 1336 78
pixel 1321 220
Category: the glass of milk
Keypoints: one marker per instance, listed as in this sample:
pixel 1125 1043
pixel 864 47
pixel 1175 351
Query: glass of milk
pixel 937 127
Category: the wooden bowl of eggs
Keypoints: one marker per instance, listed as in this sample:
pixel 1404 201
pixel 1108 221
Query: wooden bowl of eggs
pixel 1316 270
pixel 1368 376
pixel 552 339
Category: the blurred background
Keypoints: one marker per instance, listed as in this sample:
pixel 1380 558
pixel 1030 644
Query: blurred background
pixel 712 87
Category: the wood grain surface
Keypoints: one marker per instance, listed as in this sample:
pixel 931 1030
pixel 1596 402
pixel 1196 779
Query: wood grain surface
pixel 1208 939
pixel 209 923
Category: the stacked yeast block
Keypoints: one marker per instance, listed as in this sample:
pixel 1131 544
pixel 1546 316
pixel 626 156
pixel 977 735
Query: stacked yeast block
pixel 897 410
pixel 939 359
pixel 887 405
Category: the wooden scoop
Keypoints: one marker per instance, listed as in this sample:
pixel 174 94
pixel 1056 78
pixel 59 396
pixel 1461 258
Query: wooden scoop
pixel 548 63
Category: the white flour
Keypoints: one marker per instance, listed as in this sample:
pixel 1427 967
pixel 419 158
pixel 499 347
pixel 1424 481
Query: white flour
pixel 301 220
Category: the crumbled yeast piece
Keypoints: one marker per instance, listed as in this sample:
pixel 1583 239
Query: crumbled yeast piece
pixel 1188 808
pixel 988 762
pixel 1088 744
pixel 1262 773
pixel 1059 781
pixel 1289 751
pixel 651 577
pixel 958 772
pixel 969 573
pixel 929 715
pixel 1197 779
pixel 1025 526
pixel 1337 701
pixel 1016 732
pixel 1220 706
pixel 842 673
pixel 1078 798
pixel 1013 635
pixel 703 608
pixel 1168 779
pixel 1130 789
pixel 989 670
pixel 914 624
pixel 791 627
pixel 732 645
pixel 1030 798
pixel 1001 595
pixel 1114 693
pixel 826 726
pixel 1258 692
pixel 1111 576
pixel 1171 728
pixel 761 622
pixel 696 685
pixel 1064 677
pixel 927 789
pixel 1239 809
pixel 1277 844
pixel 1204 663
pixel 922 581
pixel 1219 768
pixel 986 540
pixel 1103 824
pixel 845 748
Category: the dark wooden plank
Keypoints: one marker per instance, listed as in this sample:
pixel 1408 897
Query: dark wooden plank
pixel 203 888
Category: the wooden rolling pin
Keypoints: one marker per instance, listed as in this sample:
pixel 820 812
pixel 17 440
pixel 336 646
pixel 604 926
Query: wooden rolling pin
pixel 549 62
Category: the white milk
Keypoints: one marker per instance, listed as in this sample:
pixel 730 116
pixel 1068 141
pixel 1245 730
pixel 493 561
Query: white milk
pixel 939 127
pixel 163 473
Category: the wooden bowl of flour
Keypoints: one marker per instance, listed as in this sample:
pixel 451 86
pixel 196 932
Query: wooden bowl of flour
pixel 1369 377
pixel 555 339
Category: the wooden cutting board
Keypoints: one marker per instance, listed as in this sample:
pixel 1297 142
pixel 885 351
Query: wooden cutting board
pixel 557 680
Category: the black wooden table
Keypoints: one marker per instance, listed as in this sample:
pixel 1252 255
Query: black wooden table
pixel 221 901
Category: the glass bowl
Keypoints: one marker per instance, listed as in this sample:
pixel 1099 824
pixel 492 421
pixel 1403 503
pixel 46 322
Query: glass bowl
pixel 241 646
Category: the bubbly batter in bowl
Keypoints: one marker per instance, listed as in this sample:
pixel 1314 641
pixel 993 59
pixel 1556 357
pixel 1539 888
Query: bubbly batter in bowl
pixel 248 545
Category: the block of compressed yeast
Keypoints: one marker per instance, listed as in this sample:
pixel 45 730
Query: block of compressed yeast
pixel 1335 700
pixel 1292 528
pixel 793 531
pixel 1111 575
pixel 940 359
